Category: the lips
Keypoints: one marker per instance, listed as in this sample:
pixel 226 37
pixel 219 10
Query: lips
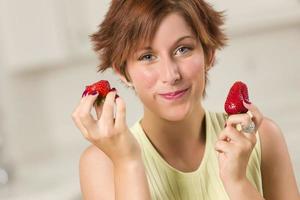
pixel 174 95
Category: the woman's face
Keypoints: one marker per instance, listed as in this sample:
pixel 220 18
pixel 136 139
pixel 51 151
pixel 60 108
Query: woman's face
pixel 174 61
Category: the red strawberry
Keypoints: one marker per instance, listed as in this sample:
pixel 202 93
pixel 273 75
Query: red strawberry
pixel 102 87
pixel 234 102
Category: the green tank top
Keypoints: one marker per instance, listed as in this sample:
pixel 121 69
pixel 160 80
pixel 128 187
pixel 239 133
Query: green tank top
pixel 168 183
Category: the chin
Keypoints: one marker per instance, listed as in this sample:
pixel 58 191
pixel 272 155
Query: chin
pixel 172 118
pixel 175 114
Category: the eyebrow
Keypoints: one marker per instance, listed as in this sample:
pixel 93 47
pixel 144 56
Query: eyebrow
pixel 177 41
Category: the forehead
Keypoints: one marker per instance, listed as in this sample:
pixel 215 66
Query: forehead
pixel 172 27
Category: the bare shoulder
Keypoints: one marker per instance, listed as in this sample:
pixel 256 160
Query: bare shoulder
pixel 96 174
pixel 268 126
pixel 93 155
pixel 279 181
pixel 270 135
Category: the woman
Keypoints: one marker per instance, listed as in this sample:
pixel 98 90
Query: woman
pixel 163 50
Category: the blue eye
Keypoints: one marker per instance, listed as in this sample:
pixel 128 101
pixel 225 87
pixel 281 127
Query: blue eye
pixel 183 50
pixel 147 57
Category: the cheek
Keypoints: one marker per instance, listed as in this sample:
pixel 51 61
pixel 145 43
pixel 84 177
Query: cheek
pixel 196 67
pixel 145 79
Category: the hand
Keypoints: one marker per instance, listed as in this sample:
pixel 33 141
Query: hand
pixel 109 134
pixel 235 147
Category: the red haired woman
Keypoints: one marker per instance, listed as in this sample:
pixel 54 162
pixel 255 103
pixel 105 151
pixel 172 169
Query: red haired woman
pixel 163 50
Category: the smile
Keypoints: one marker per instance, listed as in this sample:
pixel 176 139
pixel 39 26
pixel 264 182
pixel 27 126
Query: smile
pixel 174 95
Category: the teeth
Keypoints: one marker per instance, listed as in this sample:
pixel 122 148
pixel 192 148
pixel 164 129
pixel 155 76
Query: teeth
pixel 170 95
pixel 173 94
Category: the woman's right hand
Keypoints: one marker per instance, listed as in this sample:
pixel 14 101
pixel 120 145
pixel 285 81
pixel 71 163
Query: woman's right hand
pixel 109 134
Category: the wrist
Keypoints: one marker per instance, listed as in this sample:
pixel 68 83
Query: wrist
pixel 134 156
pixel 241 189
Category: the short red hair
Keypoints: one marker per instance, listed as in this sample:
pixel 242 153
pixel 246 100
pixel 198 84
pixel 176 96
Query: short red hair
pixel 130 23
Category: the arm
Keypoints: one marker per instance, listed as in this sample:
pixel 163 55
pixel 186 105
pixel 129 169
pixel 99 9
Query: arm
pixel 100 179
pixel 242 190
pixel 112 168
pixel 277 172
pixel 96 175
pixel 131 181
pixel 234 149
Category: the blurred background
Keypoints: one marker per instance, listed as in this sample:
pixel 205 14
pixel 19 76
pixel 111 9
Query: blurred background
pixel 46 60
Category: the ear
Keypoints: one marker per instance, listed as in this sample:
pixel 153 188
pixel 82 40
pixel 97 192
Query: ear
pixel 211 60
pixel 117 71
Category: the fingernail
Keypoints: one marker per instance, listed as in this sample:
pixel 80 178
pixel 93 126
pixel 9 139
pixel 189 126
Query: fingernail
pixel 84 94
pixel 247 101
pixel 117 96
pixel 113 89
pixel 94 93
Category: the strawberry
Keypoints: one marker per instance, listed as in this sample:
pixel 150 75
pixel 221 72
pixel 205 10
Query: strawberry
pixel 234 102
pixel 102 87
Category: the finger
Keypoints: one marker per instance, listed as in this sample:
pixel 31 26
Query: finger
pixel 85 92
pixel 257 115
pixel 80 126
pixel 232 134
pixel 78 123
pixel 120 113
pixel 108 109
pixel 238 121
pixel 87 102
pixel 98 110
pixel 243 119
pixel 249 130
pixel 222 146
pixel 84 112
pixel 238 138
pixel 76 118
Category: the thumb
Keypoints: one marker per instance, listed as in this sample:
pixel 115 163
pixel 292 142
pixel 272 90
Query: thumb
pixel 257 116
pixel 247 105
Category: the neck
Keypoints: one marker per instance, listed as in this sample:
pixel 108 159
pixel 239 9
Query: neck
pixel 173 137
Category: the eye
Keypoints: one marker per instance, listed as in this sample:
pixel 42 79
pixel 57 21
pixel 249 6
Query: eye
pixel 183 50
pixel 146 57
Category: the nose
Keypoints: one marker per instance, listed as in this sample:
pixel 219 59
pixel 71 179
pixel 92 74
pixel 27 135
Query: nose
pixel 170 72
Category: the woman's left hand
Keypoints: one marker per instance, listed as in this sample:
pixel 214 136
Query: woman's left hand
pixel 235 147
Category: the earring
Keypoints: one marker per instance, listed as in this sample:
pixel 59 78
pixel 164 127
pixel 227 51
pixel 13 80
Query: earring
pixel 130 85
